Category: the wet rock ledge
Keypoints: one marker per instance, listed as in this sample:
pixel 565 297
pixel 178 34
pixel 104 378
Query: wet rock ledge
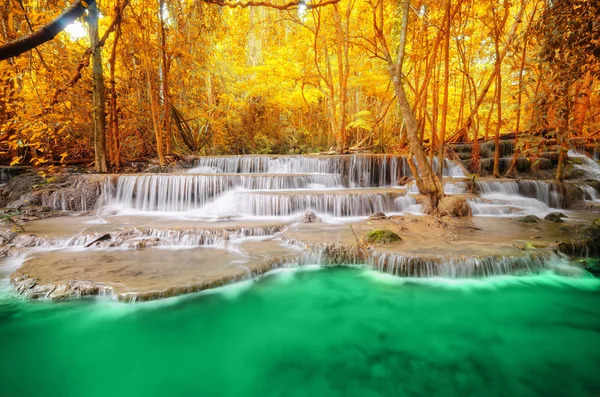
pixel 97 263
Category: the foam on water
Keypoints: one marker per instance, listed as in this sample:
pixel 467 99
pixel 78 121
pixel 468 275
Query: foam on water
pixel 544 279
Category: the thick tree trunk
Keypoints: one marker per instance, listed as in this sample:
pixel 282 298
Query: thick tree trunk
pixel 426 180
pixel 99 98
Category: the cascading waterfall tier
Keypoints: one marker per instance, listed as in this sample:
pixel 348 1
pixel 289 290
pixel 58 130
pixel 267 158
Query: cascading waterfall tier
pixel 515 198
pixel 188 192
pixel 366 170
pixel 590 168
pixel 335 204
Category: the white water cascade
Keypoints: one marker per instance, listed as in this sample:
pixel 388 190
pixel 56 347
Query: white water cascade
pixel 262 186
pixel 590 168
pixel 515 198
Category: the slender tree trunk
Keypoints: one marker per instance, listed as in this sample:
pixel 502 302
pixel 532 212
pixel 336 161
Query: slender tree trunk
pixel 114 114
pixel 99 98
pixel 342 56
pixel 165 80
pixel 496 172
pixel 582 103
pixel 464 130
pixel 446 89
pixel 512 171
pixel 155 121
pixel 563 134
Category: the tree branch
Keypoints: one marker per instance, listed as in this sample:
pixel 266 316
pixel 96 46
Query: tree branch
pixel 286 6
pixel 85 58
pixel 45 33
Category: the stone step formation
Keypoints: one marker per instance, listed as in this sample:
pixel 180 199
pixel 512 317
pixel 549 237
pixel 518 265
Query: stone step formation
pixel 230 218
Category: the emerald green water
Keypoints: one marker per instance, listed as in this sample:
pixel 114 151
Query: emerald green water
pixel 334 332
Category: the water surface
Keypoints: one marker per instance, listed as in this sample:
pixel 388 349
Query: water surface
pixel 333 332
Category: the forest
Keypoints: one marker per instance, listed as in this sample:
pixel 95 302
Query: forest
pixel 117 81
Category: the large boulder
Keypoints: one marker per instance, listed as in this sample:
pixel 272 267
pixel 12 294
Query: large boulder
pixel 454 206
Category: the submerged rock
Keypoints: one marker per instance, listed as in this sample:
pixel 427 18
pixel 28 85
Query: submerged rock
pixel 529 219
pixel 377 216
pixel 555 217
pixel 311 217
pixel 382 236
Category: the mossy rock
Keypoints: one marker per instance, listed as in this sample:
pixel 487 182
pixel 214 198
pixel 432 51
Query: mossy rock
pixel 555 217
pixel 529 219
pixel 382 236
pixel 592 265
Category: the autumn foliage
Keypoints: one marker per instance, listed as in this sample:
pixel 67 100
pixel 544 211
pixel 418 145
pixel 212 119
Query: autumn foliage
pixel 183 76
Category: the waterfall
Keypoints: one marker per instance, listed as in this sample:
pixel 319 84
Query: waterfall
pixel 590 194
pixel 515 198
pixel 455 188
pixel 590 168
pixel 364 204
pixel 267 164
pixel 439 266
pixel 188 192
pixel 361 170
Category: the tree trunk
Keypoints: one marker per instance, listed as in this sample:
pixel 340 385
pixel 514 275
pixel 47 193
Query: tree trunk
pixel 464 130
pixel 582 103
pixel 155 121
pixel 446 89
pixel 114 144
pixel 99 98
pixel 342 58
pixel 165 80
pixel 427 182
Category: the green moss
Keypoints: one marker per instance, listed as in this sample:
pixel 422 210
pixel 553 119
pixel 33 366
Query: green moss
pixel 382 236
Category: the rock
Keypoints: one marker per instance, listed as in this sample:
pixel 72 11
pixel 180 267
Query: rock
pixel 454 206
pixel 377 216
pixel 593 231
pixel 529 219
pixel 555 217
pixel 227 217
pixel 34 209
pixel 153 169
pixel 311 217
pixel 103 237
pixel 382 236
pixel 593 266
